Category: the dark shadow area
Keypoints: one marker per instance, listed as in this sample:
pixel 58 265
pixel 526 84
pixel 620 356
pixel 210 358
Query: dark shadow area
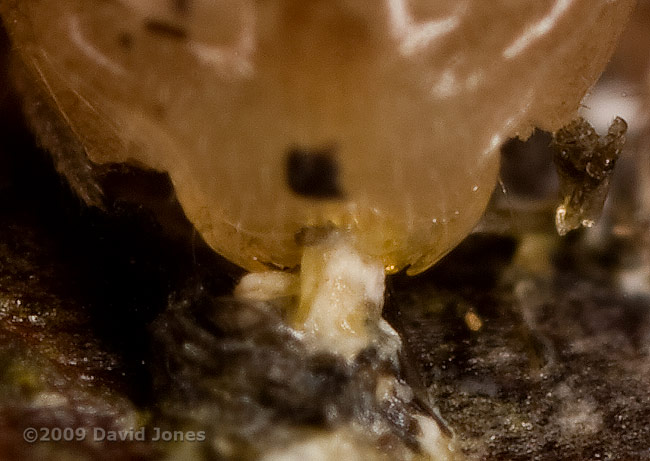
pixel 119 264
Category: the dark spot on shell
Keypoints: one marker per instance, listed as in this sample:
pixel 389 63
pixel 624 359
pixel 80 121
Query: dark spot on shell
pixel 159 111
pixel 313 173
pixel 125 41
pixel 165 29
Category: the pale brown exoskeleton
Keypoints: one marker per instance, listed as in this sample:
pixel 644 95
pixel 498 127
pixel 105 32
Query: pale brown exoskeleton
pixel 382 120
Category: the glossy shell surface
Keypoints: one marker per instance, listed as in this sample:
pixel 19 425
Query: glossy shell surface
pixel 279 119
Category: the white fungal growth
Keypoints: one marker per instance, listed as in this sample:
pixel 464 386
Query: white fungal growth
pixel 262 286
pixel 341 294
pixel 341 298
